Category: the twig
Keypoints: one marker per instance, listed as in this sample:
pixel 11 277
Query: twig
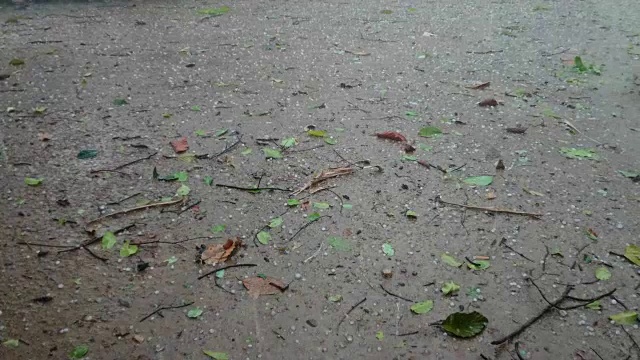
pixel 517 347
pixel 305 226
pixel 165 308
pixel 409 333
pixel 595 352
pixel 314 254
pixel 226 150
pixel 519 253
pixel 250 189
pixel 544 260
pixel 225 267
pixel 125 199
pixel 491 209
pixel 86 243
pixel 349 312
pixel 189 207
pixel 124 165
pixel 395 295
pixel 141 207
pixel 429 165
pixel 142 243
pixel 45 245
pixel 575 262
pixel 630 337
pixel 621 303
pixel 540 291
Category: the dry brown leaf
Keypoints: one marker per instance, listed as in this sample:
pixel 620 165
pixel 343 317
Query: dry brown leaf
pixel 219 253
pixel 268 286
pixel 180 145
pixel 324 175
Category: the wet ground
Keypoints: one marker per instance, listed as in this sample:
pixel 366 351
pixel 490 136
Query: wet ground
pixel 127 79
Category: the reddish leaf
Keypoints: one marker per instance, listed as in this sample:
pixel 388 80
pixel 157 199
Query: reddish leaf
pixel 219 253
pixel 391 135
pixel 488 102
pixel 180 145
pixel 263 286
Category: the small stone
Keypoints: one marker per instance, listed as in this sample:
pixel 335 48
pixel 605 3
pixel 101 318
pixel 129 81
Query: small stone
pixel 312 322
pixel 124 303
pixel 563 313
pixel 387 273
pixel 298 276
pixel 138 338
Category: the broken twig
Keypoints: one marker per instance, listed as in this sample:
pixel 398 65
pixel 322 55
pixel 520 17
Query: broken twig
pixel 224 267
pixel 141 207
pixel 492 209
pixel 165 308
pixel 349 312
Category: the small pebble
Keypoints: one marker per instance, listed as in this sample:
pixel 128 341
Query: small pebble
pixel 298 276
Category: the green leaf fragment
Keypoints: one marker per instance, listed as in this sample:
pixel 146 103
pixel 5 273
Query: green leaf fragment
pixel 465 325
pixel 380 335
pixel 632 253
pixel 11 343
pixel 411 214
pixel 220 274
pixel 347 206
pixel 335 298
pixel 221 132
pixel 422 307
pixel 108 240
pixel 196 108
pixel 79 352
pixel 218 228
pixel 450 287
pixel 33 181
pixel 166 115
pixel 602 273
pixel 429 131
pixel 172 260
pixel 16 62
pixel 215 11
pixel 386 12
pixel 625 318
pixel 479 264
pixel 201 132
pixel 479 180
pixel 411 113
pixel 450 260
pixel 594 305
pixel 194 313
pixel 320 205
pixel 313 217
pixel 317 133
pixel 409 158
pixel 182 176
pixel 39 110
pixel 183 190
pixel 293 202
pixel 288 142
pixel 275 222
pixel 582 153
pixel 247 151
pixel 264 237
pixel 629 174
pixel 338 243
pixel 87 154
pixel 208 180
pixel 215 355
pixel 387 249
pixel 119 102
pixel 272 153
pixel 330 140
pixel 127 249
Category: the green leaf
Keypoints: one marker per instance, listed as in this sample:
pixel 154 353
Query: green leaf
pixel 195 108
pixel 422 307
pixel 194 313
pixel 33 181
pixel 387 249
pixel 583 153
pixel 108 240
pixel 550 114
pixel 411 113
pixel 479 180
pixel 479 264
pixel 264 237
pixel 166 115
pixel 320 205
pixel 409 158
pixel 313 217
pixel 215 355
pixel 347 206
pixel 288 142
pixel 221 132
pixel 119 102
pixel 16 62
pixel 208 180
pixel 625 318
pixel 450 287
pixel 450 260
pixel 39 110
pixel 386 12
pixel 127 249
pixel 218 228
pixel 335 298
pixel 602 273
pixel 201 132
pixel 79 352
pixel 424 147
pixel 338 243
pixel 220 274
pixel 581 67
pixel 429 131
pixel 411 214
pixel 330 140
pixel 272 153
pixel 172 260
pixel 275 222
pixel 594 305
pixel 380 335
pixel 214 12
pixel 465 325
pixel 293 202
pixel 87 154
pixel 183 190
pixel 317 133
pixel 182 176
pixel 629 174
pixel 247 151
pixel 632 253
pixel 11 343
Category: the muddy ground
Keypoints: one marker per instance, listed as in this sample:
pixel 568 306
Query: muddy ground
pixel 128 78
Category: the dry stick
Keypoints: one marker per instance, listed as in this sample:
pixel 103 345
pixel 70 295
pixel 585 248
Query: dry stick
pixel 496 210
pixel 307 149
pixel 314 254
pixel 165 308
pixel 46 245
pixel 123 165
pixel 84 244
pixel 620 302
pixel 125 199
pixel 630 337
pixel 512 249
pixel 349 312
pixel 226 150
pixel 575 262
pixel 409 333
pixel 517 347
pixel 305 225
pixel 250 189
pixel 225 267
pixel 587 301
pixel 142 207
pixel 141 243
pixel 595 352
pixel 544 260
pixel 395 295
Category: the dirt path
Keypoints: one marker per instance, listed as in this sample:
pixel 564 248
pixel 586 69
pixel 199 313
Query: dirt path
pixel 93 95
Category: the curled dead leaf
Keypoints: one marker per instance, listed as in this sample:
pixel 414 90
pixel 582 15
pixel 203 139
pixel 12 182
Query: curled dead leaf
pixel 391 135
pixel 488 102
pixel 180 145
pixel 257 286
pixel 219 253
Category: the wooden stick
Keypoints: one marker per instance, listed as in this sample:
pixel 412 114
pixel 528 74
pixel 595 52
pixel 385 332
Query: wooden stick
pixel 165 308
pixel 141 207
pixel 350 310
pixel 224 267
pixel 492 209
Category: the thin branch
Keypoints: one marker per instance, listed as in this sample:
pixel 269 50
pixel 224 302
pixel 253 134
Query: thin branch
pixel 349 312
pixel 46 245
pixel 227 149
pixel 575 262
pixel 125 199
pixel 491 209
pixel 586 301
pixel 395 295
pixel 630 337
pixel 141 207
pixel 251 189
pixel 123 165
pixel 165 308
pixel 305 226
pixel 223 268
pixel 503 243
pixel 94 240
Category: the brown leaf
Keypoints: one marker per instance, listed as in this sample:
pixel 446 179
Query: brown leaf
pixel 408 148
pixel 43 136
pixel 268 286
pixel 488 102
pixel 479 86
pixel 305 205
pixel 219 253
pixel 392 135
pixel 180 145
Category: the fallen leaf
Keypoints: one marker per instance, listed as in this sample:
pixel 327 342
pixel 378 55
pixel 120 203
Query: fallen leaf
pixel 320 205
pixel 430 131
pixel 582 153
pixel 465 325
pixel 119 102
pixel 39 110
pixel 172 260
pixel 317 133
pixel 391 135
pixel 479 180
pixel 288 142
pixel 387 249
pixel 108 240
pixel 422 307
pixel 33 181
pixel 479 264
pixel 275 222
pixel 594 305
pixel 478 85
pixel 214 12
pixel 347 206
pixel 380 335
pixel 450 287
pixel 338 243
pixel 629 174
pixel 79 352
pixel 335 298
pixel 450 260
pixel 183 190
pixel 591 234
pixel 409 158
pixel 313 217
pixel 411 214
pixel 194 313
pixel 293 202
pixel 215 355
pixel 208 180
pixel 247 151
pixel 218 228
pixel 411 113
pixel 330 140
pixel 16 62
pixel 219 253
pixel 201 133
pixel 180 145
pixel 195 108
pixel 632 253
pixel 602 273
pixel 87 154
pixel 263 237
pixel 272 153
pixel 257 286
pixel 127 249
pixel 11 343
pixel 488 102
pixel 625 318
